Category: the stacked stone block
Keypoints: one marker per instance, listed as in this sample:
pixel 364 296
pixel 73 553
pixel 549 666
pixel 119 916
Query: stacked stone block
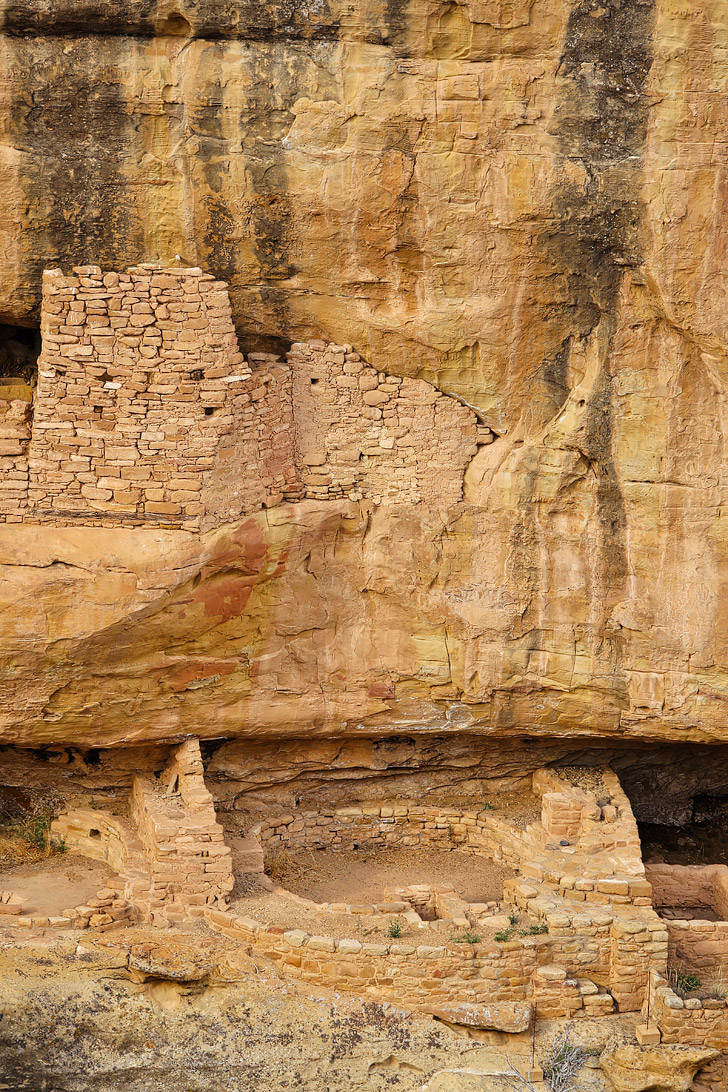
pixel 142 396
pixel 410 974
pixel 147 413
pixel 401 824
pixel 15 431
pixel 189 864
pixel 695 886
pixel 692 1022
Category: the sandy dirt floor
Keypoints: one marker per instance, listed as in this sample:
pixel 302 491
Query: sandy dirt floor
pixel 324 876
pixel 56 883
pixel 367 875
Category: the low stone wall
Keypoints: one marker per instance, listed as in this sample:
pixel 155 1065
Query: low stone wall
pixel 410 825
pixel 615 948
pixel 422 976
pixel 415 975
pixel 693 1023
pixel 699 947
pixel 125 898
pixel 94 834
pixel 694 886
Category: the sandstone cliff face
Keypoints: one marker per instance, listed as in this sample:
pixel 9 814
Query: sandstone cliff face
pixel 521 202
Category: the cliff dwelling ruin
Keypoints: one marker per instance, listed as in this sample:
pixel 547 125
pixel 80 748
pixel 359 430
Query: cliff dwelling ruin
pixel 363 545
pixel 146 412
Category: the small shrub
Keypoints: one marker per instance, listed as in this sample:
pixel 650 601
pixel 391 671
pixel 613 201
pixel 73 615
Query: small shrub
pixel 502 935
pixel 513 919
pixel 395 929
pixel 59 845
pixel 466 938
pixel 560 1068
pixel 28 839
pixel 717 988
pixel 563 1062
pixel 682 983
pixel 487 806
pixel 36 832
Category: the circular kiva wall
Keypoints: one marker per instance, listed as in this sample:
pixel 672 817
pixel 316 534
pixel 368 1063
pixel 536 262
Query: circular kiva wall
pixel 407 825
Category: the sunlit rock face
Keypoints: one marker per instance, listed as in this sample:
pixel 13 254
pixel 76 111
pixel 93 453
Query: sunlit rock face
pixel 522 202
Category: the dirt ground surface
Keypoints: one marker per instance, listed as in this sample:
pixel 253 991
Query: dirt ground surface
pixel 56 883
pixel 365 876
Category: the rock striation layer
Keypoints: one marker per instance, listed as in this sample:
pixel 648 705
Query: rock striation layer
pixel 520 204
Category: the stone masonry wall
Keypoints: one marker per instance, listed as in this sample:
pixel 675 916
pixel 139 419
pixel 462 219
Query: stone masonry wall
pixel 189 863
pixel 361 433
pixel 411 974
pixel 696 886
pixel 146 412
pixel 15 426
pixel 142 392
pixel 699 947
pixel 693 1023
pixel 400 824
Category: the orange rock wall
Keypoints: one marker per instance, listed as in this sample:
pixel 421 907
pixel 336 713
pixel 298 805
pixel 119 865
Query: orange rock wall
pixel 523 204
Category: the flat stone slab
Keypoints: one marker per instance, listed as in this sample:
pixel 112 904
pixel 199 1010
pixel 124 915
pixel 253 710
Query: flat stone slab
pixel 172 961
pixel 510 1016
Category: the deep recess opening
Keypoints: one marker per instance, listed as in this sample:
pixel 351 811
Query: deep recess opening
pixel 19 351
pixel 679 795
pixel 263 343
pixel 174 25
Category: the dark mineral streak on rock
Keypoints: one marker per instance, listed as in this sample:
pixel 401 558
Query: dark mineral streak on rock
pixel 72 114
pixel 275 84
pixel 149 18
pixel 601 127
pixel 602 124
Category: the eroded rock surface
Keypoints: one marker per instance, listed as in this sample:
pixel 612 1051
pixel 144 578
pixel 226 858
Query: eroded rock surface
pixel 74 1020
pixel 520 203
pixel 664 1068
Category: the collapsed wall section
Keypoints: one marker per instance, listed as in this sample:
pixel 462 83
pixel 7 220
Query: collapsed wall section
pixel 146 413
pixel 189 863
pixel 362 433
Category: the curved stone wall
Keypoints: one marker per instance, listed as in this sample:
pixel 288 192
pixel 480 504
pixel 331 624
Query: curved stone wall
pixel 407 825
